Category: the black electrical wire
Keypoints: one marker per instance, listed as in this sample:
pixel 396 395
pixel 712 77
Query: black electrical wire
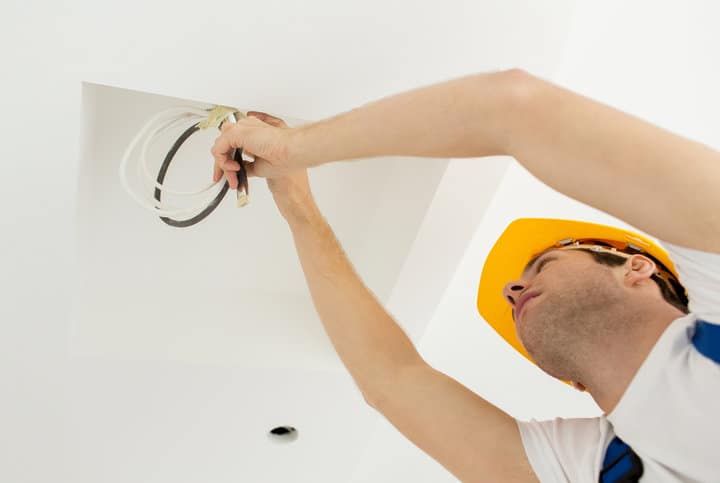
pixel 242 181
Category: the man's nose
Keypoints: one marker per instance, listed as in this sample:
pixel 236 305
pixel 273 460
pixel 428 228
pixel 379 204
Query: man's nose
pixel 512 291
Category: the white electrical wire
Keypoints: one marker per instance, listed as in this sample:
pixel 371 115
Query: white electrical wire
pixel 166 120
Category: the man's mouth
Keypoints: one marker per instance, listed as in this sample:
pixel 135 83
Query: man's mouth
pixel 523 301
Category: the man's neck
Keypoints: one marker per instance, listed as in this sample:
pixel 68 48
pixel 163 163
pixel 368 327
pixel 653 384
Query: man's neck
pixel 613 369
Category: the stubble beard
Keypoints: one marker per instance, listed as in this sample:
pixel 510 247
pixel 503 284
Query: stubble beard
pixel 569 326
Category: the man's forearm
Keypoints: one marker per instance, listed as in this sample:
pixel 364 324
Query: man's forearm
pixel 463 117
pixel 586 150
pixel 369 342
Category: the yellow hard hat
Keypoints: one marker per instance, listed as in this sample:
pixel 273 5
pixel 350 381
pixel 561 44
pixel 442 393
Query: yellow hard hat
pixel 525 238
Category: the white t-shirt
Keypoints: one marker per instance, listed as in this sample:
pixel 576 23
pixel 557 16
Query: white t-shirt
pixel 669 414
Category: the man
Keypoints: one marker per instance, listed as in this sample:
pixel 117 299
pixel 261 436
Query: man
pixel 601 308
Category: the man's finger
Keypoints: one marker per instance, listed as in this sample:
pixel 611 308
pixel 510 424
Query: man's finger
pixel 224 144
pixel 267 118
pixel 263 116
pixel 232 179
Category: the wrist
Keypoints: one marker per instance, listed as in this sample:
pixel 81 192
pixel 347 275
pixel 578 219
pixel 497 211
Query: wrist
pixel 299 155
pixel 294 200
pixel 316 143
pixel 299 213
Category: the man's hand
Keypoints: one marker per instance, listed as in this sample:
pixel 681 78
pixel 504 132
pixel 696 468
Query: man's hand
pixel 267 138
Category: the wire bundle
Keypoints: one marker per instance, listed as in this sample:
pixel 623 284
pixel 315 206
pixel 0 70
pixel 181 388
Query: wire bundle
pixel 193 119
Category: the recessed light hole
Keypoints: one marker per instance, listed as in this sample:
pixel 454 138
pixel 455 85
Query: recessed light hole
pixel 283 434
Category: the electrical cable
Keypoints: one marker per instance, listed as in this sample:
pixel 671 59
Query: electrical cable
pixel 165 121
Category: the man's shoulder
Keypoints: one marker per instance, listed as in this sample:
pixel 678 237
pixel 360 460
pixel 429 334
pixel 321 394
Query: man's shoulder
pixel 566 449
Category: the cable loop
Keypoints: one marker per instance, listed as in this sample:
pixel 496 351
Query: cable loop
pixel 192 119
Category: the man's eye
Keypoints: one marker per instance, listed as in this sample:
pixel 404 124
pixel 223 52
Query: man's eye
pixel 542 264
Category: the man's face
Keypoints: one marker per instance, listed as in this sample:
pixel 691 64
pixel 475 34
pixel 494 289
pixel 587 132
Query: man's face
pixel 572 299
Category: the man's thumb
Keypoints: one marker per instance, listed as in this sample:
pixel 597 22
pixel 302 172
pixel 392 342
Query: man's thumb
pixel 259 168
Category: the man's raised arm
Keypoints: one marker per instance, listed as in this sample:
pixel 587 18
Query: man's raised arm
pixel 659 182
pixel 473 439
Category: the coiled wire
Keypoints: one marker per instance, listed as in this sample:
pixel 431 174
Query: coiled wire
pixel 166 120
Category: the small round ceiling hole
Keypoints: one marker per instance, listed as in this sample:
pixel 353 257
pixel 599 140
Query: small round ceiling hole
pixel 283 434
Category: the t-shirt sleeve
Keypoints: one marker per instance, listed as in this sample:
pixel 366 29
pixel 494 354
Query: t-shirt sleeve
pixel 700 275
pixel 565 450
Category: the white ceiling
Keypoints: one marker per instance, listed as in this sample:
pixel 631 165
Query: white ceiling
pixel 136 352
pixel 233 281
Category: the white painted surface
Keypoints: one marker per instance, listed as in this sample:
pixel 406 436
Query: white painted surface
pixel 95 405
pixel 230 288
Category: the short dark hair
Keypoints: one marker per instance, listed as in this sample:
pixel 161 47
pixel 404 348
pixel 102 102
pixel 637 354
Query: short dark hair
pixel 668 293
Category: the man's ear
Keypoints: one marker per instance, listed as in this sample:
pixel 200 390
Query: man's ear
pixel 638 268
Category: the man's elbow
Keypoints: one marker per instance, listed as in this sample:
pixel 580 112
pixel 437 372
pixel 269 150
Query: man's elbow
pixel 521 86
pixel 518 93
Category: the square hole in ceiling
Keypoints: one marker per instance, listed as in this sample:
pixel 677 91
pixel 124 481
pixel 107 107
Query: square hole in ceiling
pixel 229 289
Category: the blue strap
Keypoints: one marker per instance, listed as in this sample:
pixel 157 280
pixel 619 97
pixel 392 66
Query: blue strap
pixel 707 340
pixel 621 464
